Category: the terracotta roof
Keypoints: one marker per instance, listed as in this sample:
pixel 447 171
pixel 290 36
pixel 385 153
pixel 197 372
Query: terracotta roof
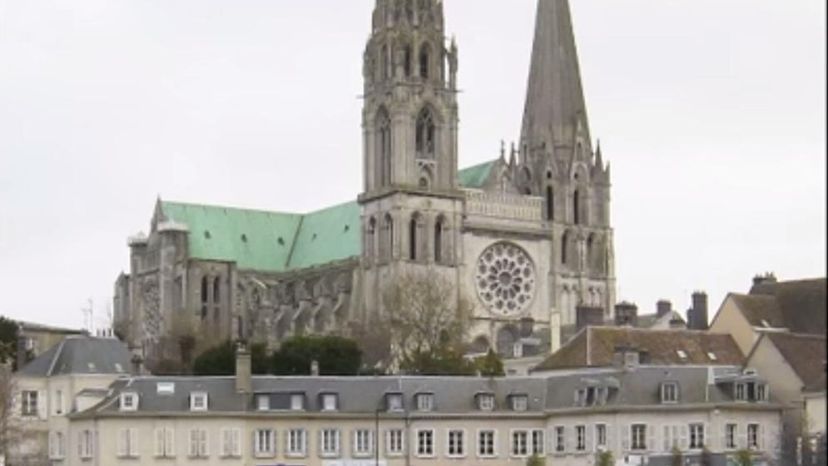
pixel 806 354
pixel 595 347
pixel 798 305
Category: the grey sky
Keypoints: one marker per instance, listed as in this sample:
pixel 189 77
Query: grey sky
pixel 711 113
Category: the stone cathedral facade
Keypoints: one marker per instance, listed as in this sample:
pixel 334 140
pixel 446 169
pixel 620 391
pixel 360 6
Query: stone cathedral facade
pixel 526 237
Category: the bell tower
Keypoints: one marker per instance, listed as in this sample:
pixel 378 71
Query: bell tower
pixel 409 116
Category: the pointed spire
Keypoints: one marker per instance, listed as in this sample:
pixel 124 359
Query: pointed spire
pixel 555 99
pixel 502 150
pixel 599 159
pixel 513 156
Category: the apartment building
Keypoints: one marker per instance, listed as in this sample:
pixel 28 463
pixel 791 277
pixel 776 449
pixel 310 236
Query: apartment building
pixel 637 413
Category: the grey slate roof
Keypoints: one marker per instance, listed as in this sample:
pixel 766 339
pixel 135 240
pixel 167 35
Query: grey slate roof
pixel 360 396
pixel 80 354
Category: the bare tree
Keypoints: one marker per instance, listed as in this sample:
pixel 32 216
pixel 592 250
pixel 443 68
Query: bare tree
pixel 9 432
pixel 424 314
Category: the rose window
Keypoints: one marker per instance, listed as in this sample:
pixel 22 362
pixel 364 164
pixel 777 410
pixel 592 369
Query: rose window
pixel 505 278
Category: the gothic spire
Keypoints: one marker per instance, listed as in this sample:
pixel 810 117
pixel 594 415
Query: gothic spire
pixel 555 98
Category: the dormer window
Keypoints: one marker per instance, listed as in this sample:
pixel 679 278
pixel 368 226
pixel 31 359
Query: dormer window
pixel 129 401
pixel 581 397
pixel 486 402
pixel 297 402
pixel 425 401
pixel 394 401
pixel 740 392
pixel 682 354
pixel 761 392
pixel 198 401
pixel 520 402
pixel 330 402
pixel 263 402
pixel 669 392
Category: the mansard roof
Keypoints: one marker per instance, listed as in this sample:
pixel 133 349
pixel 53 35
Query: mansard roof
pixel 798 305
pixel 597 346
pixel 278 241
pixel 79 355
pixel 637 387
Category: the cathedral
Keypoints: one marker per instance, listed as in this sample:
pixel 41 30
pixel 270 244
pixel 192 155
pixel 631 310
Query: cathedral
pixel 525 237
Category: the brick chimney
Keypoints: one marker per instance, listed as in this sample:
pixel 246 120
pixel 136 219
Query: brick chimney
pixel 663 307
pixel 588 316
pixel 626 314
pixel 244 382
pixel 761 279
pixel 697 315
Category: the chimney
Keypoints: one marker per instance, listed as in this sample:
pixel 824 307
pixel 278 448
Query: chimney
pixel 314 369
pixel 626 314
pixel 626 356
pixel 663 307
pixel 136 361
pixel 588 316
pixel 244 383
pixel 21 352
pixel 677 324
pixel 697 316
pixel 761 279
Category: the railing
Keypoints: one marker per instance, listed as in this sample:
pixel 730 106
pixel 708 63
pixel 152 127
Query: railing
pixel 504 205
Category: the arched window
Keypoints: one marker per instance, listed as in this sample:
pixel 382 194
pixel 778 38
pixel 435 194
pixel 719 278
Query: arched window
pixel 576 207
pixel 407 57
pixel 425 57
pixel 439 227
pixel 388 250
pixel 383 147
pixel 385 69
pixel 413 237
pixel 426 135
pixel 205 285
pixel 217 290
pixel 564 247
pixel 370 237
pixel 550 204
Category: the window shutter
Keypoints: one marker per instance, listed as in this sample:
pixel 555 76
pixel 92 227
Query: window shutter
pixel 589 435
pixel 760 437
pixel 42 404
pixel 224 446
pixel 651 438
pixel 169 435
pixel 610 446
pixel 684 443
pixel 205 439
pixel 666 444
pixel 709 436
pixel 741 436
pixel 625 438
pixel 193 449
pixel 571 441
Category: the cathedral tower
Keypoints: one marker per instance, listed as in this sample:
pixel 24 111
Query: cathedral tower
pixel 558 163
pixel 411 204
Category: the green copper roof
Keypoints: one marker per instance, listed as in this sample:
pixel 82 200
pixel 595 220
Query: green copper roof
pixel 280 242
pixel 327 235
pixel 476 176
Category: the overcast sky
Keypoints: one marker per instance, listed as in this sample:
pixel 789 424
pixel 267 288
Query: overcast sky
pixel 711 112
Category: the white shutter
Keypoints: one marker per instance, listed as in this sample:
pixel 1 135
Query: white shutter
pixel 194 442
pixel 625 438
pixel 159 442
pixel 224 445
pixel 760 437
pixel 741 436
pixel 610 446
pixel 169 441
pixel 708 435
pixel 122 439
pixel 684 443
pixel 651 438
pixel 665 439
pixel 205 442
pixel 237 442
pixel 42 404
pixel 589 436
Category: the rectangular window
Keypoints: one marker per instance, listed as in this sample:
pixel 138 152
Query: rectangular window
pixel 198 401
pixel 580 397
pixel 129 401
pixel 520 443
pixel 230 443
pixel 697 436
pixel 580 438
pixel 329 402
pixel 395 402
pixel 740 392
pixel 456 444
pixel 29 407
pixel 164 442
pixel 363 442
pixel 296 443
pixel 538 445
pixel 486 443
pixel 730 436
pixel 297 402
pixel 58 402
pixel 669 392
pixel 127 443
pixel 263 402
pixel 394 442
pixel 520 403
pixel 425 402
pixel 672 437
pixel 57 446
pixel 486 402
pixel 198 443
pixel 264 443
pixel 560 439
pixel 86 444
pixel 601 435
pixel 425 443
pixel 761 392
pixel 329 443
pixel 638 437
pixel 753 436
